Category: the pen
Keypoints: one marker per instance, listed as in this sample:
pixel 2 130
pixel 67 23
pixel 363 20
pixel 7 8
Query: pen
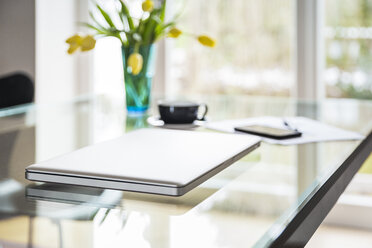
pixel 286 123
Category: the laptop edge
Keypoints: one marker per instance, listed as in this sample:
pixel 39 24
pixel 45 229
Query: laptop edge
pixel 142 187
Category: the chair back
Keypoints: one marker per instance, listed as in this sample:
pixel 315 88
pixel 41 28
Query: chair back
pixel 16 89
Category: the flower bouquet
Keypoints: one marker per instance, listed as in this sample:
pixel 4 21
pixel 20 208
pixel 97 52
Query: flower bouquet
pixel 137 36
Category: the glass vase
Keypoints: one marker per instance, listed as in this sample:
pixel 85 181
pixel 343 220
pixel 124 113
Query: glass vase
pixel 138 87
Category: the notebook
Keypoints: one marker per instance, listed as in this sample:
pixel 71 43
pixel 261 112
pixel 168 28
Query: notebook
pixel 158 161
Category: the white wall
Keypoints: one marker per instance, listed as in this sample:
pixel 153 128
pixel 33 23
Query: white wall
pixel 17 36
pixel 55 69
pixel 60 76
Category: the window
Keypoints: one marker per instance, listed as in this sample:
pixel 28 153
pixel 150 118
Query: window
pixel 254 53
pixel 348 33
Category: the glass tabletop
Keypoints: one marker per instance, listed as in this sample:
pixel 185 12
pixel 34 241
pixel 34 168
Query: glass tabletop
pixel 245 205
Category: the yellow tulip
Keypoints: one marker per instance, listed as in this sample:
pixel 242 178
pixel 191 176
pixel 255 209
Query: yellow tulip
pixel 148 6
pixel 84 43
pixel 72 49
pixel 174 33
pixel 74 42
pixel 88 43
pixel 206 41
pixel 135 62
pixel 75 39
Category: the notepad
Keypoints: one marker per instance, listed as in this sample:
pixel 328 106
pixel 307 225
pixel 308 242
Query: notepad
pixel 312 130
pixel 158 161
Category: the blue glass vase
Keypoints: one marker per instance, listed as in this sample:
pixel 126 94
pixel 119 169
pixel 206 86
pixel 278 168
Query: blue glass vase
pixel 138 87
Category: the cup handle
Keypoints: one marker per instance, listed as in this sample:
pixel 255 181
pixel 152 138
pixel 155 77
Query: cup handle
pixel 205 112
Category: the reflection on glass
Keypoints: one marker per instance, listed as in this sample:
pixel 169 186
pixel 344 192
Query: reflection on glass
pixel 135 122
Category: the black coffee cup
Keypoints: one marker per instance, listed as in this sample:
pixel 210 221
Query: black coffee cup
pixel 180 112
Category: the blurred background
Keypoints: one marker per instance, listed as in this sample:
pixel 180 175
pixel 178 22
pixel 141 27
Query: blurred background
pixel 256 52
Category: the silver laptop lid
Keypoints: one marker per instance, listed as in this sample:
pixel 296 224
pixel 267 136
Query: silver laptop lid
pixel 170 158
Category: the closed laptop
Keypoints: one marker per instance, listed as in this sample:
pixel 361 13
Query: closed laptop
pixel 159 161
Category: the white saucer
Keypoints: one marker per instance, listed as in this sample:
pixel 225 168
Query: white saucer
pixel 155 121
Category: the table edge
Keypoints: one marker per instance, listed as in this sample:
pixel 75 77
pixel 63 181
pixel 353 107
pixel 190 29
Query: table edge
pixel 308 218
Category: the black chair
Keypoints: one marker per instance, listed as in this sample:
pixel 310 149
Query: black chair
pixel 16 89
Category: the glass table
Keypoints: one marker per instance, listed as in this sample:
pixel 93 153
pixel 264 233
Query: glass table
pixel 275 196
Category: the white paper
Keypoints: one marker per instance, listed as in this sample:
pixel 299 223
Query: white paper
pixel 312 131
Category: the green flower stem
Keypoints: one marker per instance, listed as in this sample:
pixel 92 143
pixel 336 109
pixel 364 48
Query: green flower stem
pixel 136 48
pixel 130 89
